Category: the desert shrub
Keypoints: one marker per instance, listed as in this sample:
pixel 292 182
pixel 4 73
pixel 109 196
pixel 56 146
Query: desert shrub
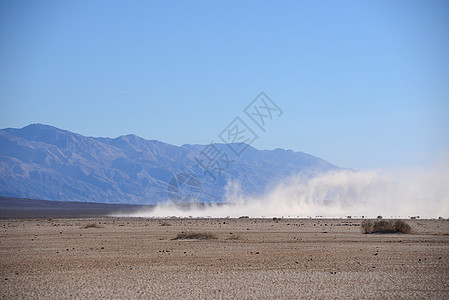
pixel 385 226
pixel 244 217
pixel 367 226
pixel 194 236
pixel 403 227
pixel 165 224
pixel 93 225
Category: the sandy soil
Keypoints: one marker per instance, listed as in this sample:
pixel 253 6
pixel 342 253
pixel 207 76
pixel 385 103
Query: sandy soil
pixel 250 259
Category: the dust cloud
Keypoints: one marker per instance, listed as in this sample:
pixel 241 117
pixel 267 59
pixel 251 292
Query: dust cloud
pixel 402 193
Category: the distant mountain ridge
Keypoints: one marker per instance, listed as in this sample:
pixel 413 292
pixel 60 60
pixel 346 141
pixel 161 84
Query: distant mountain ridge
pixel 45 162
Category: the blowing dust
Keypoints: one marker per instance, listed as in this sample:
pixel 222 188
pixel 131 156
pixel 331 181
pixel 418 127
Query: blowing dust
pixel 420 192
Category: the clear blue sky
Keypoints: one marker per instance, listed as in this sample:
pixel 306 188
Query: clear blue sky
pixel 362 84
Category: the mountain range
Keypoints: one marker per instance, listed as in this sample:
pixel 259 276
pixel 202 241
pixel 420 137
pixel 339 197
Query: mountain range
pixel 44 162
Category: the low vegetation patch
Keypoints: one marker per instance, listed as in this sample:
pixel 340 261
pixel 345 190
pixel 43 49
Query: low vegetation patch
pixel 93 225
pixel 195 236
pixel 386 226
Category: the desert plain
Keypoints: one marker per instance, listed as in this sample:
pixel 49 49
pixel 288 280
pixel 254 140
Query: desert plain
pixel 246 258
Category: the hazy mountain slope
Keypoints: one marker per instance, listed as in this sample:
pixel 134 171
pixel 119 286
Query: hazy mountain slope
pixel 41 161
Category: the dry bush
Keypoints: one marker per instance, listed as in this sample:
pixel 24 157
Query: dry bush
pixel 276 219
pixel 367 226
pixel 93 225
pixel 385 226
pixel 195 236
pixel 244 217
pixel 403 227
pixel 165 224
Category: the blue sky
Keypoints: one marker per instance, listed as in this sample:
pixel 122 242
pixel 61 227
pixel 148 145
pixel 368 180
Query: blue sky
pixel 362 84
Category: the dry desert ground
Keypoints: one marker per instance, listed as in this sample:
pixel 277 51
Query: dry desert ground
pixel 137 258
